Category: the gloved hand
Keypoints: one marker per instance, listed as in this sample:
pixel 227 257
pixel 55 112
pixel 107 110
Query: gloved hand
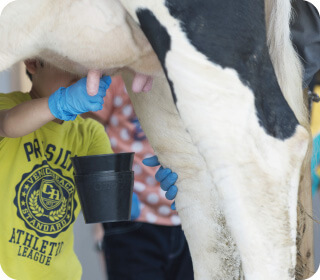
pixel 166 177
pixel 66 103
pixel 135 207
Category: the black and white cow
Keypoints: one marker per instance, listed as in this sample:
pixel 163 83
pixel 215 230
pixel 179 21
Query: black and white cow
pixel 230 121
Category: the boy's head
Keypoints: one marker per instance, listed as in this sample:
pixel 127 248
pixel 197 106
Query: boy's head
pixel 46 78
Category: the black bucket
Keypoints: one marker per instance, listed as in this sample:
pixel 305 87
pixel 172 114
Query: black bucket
pixel 110 162
pixel 105 195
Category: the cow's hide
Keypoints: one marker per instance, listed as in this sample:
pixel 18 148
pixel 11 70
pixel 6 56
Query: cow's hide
pixel 231 121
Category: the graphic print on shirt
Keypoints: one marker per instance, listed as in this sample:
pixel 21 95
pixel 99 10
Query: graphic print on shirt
pixel 45 200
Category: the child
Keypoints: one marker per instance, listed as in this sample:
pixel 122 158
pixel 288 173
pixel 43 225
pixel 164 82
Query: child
pixel 38 200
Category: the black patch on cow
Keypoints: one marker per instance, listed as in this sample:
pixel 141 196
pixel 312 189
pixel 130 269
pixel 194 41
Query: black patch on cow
pixel 233 34
pixel 158 37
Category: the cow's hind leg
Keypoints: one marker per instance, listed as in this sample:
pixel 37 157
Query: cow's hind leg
pixel 288 70
pixel 212 248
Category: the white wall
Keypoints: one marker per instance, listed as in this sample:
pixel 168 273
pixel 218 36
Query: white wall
pixel 10 79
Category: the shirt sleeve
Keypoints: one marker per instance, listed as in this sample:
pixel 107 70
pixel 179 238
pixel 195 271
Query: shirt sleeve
pixel 6 102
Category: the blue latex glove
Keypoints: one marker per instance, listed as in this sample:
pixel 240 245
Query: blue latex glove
pixel 166 177
pixel 66 103
pixel 135 207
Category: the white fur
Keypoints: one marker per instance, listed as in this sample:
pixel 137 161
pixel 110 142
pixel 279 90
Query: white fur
pixel 288 69
pixel 237 185
pixel 74 35
pixel 257 176
pixel 212 248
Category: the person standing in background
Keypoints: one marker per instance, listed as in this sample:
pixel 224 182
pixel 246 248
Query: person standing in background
pixel 153 246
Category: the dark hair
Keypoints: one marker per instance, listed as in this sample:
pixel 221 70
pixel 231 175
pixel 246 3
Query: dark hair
pixel 29 75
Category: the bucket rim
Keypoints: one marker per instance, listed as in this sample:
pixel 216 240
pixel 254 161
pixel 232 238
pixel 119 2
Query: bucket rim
pixel 103 155
pixel 105 172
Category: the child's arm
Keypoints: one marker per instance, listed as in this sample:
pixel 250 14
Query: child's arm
pixel 64 104
pixel 25 118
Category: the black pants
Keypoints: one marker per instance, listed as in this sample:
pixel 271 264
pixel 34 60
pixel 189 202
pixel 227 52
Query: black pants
pixel 141 251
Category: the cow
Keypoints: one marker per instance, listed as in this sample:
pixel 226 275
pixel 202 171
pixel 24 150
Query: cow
pixel 226 110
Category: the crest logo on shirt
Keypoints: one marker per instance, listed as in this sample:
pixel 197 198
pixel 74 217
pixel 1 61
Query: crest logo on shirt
pixel 45 200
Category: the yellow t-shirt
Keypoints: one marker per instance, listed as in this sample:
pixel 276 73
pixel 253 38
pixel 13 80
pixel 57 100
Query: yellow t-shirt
pixel 38 200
